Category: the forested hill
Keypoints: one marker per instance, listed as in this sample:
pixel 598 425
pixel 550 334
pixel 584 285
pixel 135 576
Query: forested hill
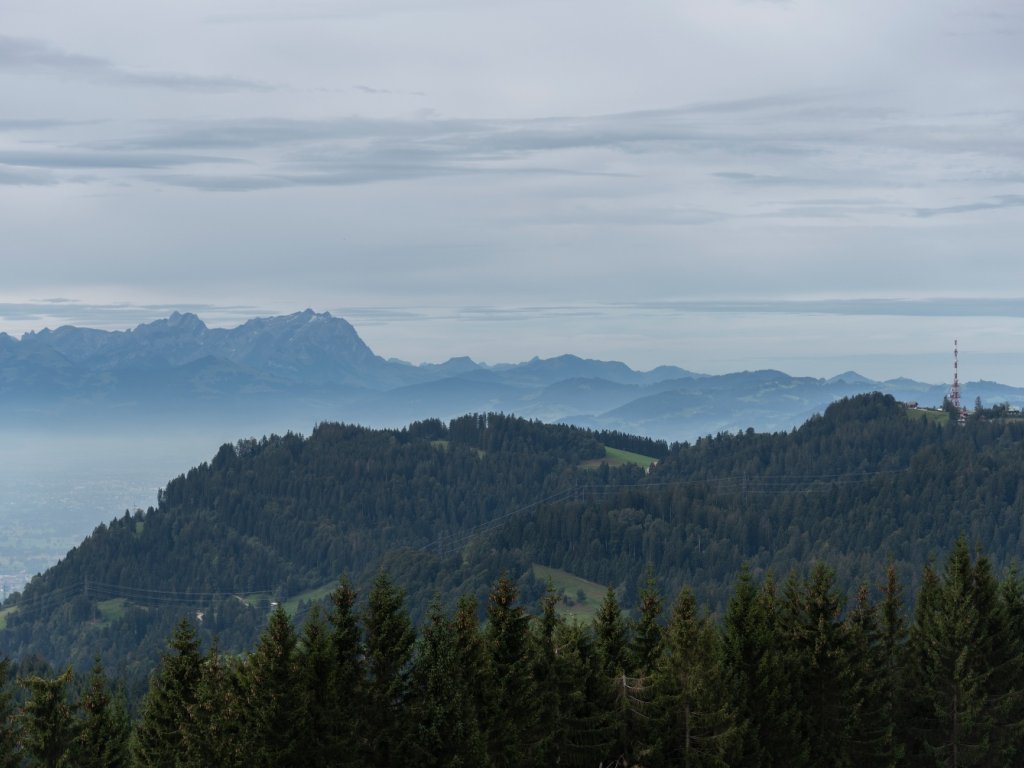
pixel 448 507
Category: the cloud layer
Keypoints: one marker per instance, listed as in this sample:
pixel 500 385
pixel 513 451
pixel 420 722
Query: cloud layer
pixel 711 160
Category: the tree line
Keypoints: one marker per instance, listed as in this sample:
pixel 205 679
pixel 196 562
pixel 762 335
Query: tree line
pixel 790 675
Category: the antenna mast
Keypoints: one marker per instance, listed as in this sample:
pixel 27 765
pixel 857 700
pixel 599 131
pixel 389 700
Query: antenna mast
pixel 954 391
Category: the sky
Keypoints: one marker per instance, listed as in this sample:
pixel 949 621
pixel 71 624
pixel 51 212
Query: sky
pixel 716 184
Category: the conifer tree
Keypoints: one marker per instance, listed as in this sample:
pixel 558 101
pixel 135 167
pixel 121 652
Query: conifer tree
pixel 475 660
pixel 629 693
pixel 1001 651
pixel 587 734
pixel 746 641
pixel 610 631
pixel 891 677
pixel 697 724
pixel 645 639
pixel 546 674
pixel 645 631
pixel 10 751
pixel 774 711
pixel 159 737
pixel 917 673
pixel 819 657
pixel 102 740
pixel 870 716
pixel 315 672
pixel 514 729
pixel 273 706
pixel 347 679
pixel 48 724
pixel 389 647
pixel 1012 589
pixel 449 733
pixel 214 733
pixel 963 664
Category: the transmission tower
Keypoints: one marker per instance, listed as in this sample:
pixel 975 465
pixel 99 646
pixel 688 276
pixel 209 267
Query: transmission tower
pixel 954 391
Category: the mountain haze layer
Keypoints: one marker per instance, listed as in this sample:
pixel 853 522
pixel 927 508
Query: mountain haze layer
pixel 309 367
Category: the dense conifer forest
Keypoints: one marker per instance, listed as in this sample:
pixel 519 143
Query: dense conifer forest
pixel 791 675
pixel 447 508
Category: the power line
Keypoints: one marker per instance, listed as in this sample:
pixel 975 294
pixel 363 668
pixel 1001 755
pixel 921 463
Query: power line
pixel 778 484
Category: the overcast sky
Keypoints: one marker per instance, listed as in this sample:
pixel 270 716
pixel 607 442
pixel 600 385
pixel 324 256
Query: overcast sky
pixel 717 184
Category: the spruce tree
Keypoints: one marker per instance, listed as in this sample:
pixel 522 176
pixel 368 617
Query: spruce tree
pixel 746 641
pixel 546 674
pixel 1013 599
pixel 48 723
pixel 586 733
pixel 214 733
pixel 449 733
pixel 964 664
pixel 346 738
pixel 697 723
pixel 389 648
pixel 645 631
pixel 513 735
pixel 10 751
pixel 474 659
pixel 870 716
pixel 1001 650
pixel 610 631
pixel 918 671
pixel 102 740
pixel 159 737
pixel 775 709
pixel 819 656
pixel 315 673
pixel 273 707
pixel 891 677
pixel 645 640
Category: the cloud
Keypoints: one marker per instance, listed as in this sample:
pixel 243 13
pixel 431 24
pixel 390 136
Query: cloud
pixel 32 124
pixel 385 91
pixel 63 311
pixel 970 306
pixel 19 177
pixel 1000 201
pixel 760 146
pixel 768 180
pixel 109 160
pixel 20 54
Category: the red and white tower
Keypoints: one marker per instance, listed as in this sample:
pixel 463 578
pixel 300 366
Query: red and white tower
pixel 954 391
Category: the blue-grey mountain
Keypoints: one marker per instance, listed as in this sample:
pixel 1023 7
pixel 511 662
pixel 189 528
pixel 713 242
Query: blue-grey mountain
pixel 309 367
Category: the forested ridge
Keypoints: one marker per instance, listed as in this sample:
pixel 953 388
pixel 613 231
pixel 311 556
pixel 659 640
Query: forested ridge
pixel 791 675
pixel 446 508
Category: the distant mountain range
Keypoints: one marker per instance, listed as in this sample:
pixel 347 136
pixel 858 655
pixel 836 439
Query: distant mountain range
pixel 308 367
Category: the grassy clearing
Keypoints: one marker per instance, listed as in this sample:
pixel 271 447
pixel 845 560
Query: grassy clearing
pixel 939 417
pixel 616 457
pixel 291 605
pixel 111 609
pixel 255 598
pixel 572 586
pixel 4 614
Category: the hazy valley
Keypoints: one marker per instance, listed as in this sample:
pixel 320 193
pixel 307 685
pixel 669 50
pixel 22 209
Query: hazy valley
pixel 95 422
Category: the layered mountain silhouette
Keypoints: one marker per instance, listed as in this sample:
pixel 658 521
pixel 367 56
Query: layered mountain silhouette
pixel 311 366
